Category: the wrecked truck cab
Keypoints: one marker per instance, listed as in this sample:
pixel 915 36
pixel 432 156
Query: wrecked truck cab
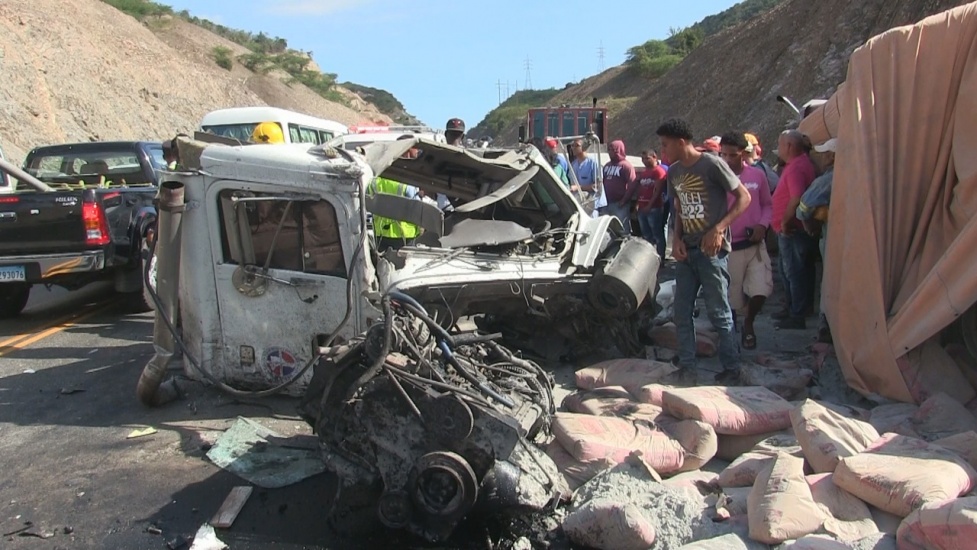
pixel 517 250
pixel 276 263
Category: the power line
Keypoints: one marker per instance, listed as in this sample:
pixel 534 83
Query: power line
pixel 600 57
pixel 529 73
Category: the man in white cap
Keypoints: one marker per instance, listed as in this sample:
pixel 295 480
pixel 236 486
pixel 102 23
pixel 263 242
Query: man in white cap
pixel 813 213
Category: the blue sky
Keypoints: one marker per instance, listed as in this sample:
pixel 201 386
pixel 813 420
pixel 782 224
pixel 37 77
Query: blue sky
pixel 444 58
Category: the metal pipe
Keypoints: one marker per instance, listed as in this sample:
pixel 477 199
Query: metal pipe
pixel 151 390
pixel 786 101
pixel 23 176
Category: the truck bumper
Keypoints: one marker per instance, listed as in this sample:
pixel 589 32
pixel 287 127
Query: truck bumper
pixel 45 266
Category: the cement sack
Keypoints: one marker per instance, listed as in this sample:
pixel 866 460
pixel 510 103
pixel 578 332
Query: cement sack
pixel 895 418
pixel 878 541
pixel 731 541
pixel 846 517
pixel 589 438
pixel 607 524
pixel 575 472
pixel 940 526
pixel 594 401
pixel 929 370
pixel 825 436
pixel 964 444
pixel 783 381
pixel 964 361
pixel 730 447
pixel 743 471
pixel 628 373
pixel 899 474
pixel 694 482
pixel 698 439
pixel 942 416
pixel 781 506
pixel 666 336
pixel 610 402
pixel 815 542
pixel 734 411
pixel 653 394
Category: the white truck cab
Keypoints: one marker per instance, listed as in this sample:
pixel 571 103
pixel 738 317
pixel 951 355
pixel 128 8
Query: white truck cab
pixel 275 260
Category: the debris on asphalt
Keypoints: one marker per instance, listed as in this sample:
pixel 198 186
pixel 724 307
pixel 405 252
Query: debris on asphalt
pixel 845 480
pixel 231 507
pixel 177 542
pixel 206 539
pixel 246 451
pixel 141 432
pixel 71 391
pixel 153 530
pixel 30 371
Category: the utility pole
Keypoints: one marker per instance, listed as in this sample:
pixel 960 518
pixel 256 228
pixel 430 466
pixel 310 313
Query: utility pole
pixel 498 84
pixel 507 89
pixel 600 57
pixel 529 73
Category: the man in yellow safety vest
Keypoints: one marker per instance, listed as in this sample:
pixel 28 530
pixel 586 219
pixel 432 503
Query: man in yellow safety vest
pixel 392 233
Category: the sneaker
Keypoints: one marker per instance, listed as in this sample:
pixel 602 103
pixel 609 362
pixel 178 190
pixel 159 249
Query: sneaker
pixel 728 378
pixel 791 323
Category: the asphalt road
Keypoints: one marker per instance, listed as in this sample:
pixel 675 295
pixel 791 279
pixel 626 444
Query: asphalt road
pixel 68 372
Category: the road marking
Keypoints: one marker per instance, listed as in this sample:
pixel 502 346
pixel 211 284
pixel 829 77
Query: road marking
pixel 23 340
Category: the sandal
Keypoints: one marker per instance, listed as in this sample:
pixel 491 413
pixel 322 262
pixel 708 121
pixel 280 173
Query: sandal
pixel 748 341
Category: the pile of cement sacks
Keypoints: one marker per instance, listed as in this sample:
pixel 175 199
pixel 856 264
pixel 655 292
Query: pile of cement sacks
pixel 742 467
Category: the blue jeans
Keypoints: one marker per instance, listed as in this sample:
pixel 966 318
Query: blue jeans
pixel 712 276
pixel 653 229
pixel 796 271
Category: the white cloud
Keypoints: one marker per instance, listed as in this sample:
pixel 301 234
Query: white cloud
pixel 315 7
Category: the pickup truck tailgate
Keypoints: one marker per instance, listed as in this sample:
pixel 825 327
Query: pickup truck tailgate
pixel 38 222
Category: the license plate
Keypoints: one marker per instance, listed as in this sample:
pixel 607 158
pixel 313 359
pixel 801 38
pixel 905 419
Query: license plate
pixel 12 273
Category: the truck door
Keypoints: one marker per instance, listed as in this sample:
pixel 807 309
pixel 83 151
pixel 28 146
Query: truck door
pixel 281 278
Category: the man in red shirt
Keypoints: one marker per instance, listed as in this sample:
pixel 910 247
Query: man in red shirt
pixel 651 185
pixel 795 245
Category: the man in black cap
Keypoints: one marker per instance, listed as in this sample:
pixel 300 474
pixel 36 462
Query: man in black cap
pixel 454 132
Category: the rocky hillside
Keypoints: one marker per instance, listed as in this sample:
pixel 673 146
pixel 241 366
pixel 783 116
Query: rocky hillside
pixel 80 70
pixel 799 49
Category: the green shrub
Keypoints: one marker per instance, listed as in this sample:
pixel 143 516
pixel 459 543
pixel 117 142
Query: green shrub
pixel 257 62
pixel 222 56
pixel 655 67
pixel 139 8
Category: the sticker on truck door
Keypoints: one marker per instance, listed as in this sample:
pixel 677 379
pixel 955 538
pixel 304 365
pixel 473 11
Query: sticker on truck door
pixel 281 363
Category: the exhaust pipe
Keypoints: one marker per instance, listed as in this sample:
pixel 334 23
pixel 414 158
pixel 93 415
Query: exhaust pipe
pixel 151 389
pixel 23 176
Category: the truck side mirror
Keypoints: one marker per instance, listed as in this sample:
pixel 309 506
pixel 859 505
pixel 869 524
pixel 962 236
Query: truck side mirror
pixel 522 133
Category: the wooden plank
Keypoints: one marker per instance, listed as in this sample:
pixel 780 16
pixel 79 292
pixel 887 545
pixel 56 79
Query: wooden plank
pixel 232 506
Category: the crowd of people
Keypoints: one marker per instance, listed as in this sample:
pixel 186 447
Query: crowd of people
pixel 720 202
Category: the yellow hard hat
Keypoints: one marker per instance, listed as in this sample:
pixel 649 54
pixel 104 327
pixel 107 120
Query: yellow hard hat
pixel 268 132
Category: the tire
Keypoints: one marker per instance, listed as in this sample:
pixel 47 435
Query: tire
pixel 13 299
pixel 140 301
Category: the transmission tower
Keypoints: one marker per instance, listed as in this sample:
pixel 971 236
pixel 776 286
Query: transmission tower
pixel 529 73
pixel 600 57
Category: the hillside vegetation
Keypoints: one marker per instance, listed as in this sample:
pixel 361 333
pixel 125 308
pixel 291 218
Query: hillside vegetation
pixel 646 61
pixel 82 70
pixel 266 54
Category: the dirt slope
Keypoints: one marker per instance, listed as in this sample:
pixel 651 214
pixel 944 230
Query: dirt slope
pixel 79 70
pixel 799 49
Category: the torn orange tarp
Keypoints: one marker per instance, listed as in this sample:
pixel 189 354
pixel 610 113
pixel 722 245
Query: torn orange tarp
pixel 901 262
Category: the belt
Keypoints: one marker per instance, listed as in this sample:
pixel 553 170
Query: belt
pixel 743 245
